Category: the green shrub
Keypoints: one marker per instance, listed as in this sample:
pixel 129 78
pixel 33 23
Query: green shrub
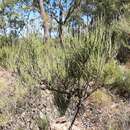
pixel 32 60
pixel 116 76
pixel 112 72
pixel 90 58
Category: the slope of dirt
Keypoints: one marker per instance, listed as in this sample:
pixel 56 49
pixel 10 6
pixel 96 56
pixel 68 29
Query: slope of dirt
pixel 102 111
pixel 23 108
pixel 34 109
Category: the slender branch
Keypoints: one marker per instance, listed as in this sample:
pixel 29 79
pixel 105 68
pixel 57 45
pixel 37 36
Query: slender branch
pixel 78 106
pixel 73 6
pixel 55 90
pixel 90 93
pixel 76 114
pixel 54 16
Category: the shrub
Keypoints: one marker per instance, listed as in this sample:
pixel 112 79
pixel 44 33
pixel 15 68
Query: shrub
pixel 87 59
pixel 117 77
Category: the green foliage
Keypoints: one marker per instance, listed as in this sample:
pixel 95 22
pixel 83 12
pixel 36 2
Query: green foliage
pixel 117 76
pixel 42 123
pixel 31 60
pixel 6 3
pixel 88 58
pixel 112 72
pixel 123 83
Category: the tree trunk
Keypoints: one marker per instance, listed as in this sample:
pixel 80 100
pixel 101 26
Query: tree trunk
pixel 50 27
pixel 45 20
pixel 73 32
pixel 60 30
pixel 60 27
pixel 78 32
pixel 73 28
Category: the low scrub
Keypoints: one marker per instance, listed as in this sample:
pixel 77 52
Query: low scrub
pixel 91 59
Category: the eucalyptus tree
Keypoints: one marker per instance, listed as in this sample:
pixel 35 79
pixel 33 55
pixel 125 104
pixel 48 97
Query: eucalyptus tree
pixel 61 11
pixel 108 10
pixel 37 5
pixel 40 6
pixel 11 23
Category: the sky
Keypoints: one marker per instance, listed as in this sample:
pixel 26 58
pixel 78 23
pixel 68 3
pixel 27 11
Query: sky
pixel 33 19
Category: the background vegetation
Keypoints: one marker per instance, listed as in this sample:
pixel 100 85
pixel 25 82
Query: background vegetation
pixel 74 49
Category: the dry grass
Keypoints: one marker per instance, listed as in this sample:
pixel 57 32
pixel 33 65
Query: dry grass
pixel 101 97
